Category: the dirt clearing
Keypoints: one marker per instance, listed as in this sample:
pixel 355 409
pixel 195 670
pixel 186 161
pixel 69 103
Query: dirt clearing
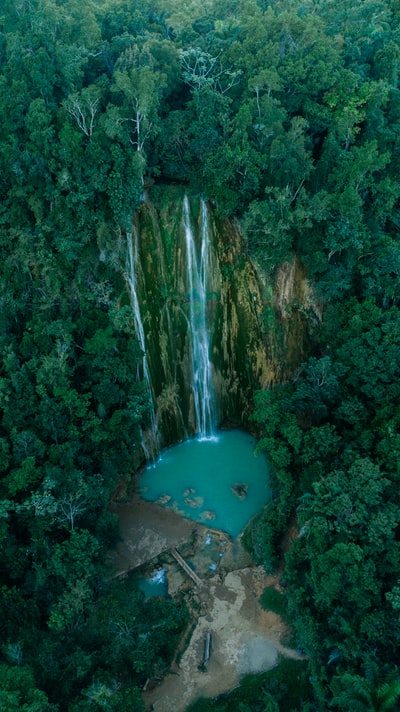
pixel 245 639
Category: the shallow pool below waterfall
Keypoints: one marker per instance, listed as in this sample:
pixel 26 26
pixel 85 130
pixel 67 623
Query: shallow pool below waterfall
pixel 155 584
pixel 218 482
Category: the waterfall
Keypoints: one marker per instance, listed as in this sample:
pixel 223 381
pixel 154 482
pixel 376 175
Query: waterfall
pixel 197 276
pixel 150 440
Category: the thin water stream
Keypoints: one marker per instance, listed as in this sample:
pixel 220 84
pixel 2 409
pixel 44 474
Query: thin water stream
pixel 197 275
pixel 150 444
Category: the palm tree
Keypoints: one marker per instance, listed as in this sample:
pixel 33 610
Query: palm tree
pixel 362 695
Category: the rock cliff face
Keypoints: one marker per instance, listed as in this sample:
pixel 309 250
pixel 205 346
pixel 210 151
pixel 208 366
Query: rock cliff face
pixel 212 330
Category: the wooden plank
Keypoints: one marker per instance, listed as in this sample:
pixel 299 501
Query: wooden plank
pixel 186 567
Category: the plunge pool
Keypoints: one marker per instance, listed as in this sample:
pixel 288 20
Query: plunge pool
pixel 217 481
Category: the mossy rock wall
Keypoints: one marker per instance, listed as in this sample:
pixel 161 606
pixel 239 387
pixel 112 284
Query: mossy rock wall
pixel 245 354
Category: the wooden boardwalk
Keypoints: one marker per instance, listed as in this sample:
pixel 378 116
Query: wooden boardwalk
pixel 186 568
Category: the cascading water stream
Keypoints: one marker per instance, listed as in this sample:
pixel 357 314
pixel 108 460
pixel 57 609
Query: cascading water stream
pixel 197 275
pixel 150 444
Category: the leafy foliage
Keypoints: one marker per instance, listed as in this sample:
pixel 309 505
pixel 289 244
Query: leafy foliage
pixel 286 116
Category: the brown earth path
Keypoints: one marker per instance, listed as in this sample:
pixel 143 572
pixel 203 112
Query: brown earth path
pixel 147 530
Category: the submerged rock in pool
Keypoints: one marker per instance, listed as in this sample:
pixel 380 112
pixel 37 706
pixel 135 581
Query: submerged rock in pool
pixel 194 502
pixel 240 490
pixel 164 499
pixel 189 491
pixel 207 514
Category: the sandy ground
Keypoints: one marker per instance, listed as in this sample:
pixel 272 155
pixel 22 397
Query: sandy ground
pixel 245 638
pixel 148 530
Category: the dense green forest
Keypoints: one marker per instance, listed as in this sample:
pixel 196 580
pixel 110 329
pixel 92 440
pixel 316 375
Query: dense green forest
pixel 286 115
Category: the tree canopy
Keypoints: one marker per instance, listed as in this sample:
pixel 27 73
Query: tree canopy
pixel 285 114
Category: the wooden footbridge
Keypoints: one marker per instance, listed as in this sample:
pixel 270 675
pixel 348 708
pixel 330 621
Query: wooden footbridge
pixel 186 568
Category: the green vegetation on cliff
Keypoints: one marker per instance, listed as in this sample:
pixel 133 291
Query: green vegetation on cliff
pixel 286 116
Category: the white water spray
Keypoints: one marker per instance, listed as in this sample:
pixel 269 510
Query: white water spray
pixel 158 576
pixel 197 274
